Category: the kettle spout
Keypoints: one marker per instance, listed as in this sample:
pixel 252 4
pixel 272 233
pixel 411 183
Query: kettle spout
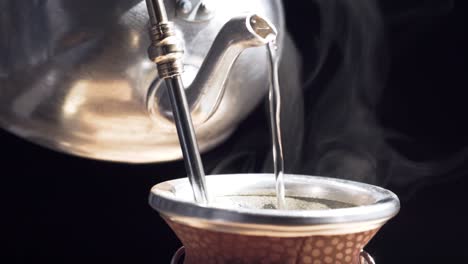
pixel 206 91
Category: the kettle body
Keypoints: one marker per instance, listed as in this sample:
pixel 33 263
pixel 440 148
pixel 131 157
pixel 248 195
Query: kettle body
pixel 75 77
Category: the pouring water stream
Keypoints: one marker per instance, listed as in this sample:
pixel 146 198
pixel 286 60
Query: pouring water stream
pixel 275 124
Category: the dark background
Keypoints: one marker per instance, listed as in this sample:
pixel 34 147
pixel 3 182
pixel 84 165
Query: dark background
pixel 63 209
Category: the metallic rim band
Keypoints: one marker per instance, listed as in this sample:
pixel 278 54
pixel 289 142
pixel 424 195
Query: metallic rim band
pixel 277 230
pixel 166 199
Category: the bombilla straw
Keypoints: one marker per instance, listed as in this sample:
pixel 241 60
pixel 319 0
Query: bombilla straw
pixel 166 51
pixel 156 11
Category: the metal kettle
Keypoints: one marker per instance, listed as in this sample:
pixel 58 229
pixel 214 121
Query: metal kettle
pixel 75 76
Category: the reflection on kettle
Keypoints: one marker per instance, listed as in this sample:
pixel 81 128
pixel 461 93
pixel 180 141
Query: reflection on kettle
pixel 76 78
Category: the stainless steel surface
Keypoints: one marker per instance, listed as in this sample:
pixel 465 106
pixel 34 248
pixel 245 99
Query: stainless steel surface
pixel 366 258
pixel 166 52
pixel 187 138
pixel 196 10
pixel 373 205
pixel 74 76
pixel 206 90
pixel 156 11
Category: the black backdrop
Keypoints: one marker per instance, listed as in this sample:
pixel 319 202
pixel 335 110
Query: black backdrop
pixel 58 208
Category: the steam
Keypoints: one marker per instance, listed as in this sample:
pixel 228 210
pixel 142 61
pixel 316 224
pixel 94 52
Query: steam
pixel 429 10
pixel 344 136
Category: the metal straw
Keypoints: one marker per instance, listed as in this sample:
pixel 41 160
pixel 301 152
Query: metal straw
pixel 166 51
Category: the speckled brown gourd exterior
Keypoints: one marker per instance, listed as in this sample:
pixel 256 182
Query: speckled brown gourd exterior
pixel 204 246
